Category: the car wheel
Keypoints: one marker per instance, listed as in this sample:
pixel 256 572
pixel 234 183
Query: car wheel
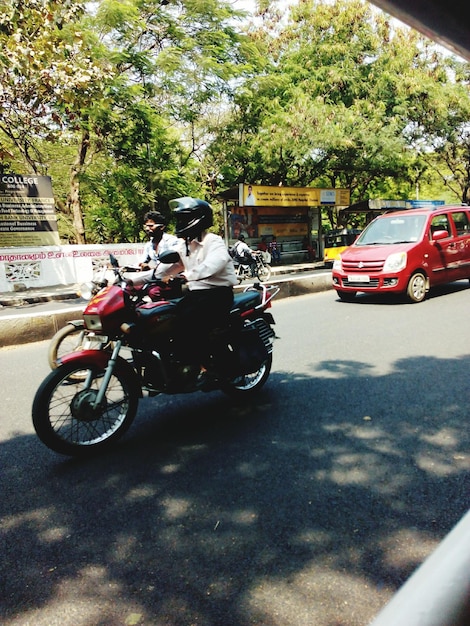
pixel 417 287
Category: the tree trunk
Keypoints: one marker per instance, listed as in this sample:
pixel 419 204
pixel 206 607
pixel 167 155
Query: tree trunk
pixel 74 206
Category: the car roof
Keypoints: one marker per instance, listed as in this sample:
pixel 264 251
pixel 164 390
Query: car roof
pixel 441 208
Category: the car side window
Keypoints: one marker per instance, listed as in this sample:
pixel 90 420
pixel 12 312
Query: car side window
pixel 461 222
pixel 440 222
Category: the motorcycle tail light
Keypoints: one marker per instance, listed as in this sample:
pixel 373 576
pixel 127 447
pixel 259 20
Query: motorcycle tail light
pixel 93 322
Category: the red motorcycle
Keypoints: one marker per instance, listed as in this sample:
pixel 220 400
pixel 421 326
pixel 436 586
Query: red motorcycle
pixel 74 336
pixel 90 400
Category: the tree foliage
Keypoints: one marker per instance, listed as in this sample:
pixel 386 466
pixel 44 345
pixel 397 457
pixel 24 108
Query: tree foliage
pixel 132 103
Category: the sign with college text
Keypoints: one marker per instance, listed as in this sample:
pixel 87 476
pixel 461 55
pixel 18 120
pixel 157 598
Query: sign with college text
pixel 263 195
pixel 27 211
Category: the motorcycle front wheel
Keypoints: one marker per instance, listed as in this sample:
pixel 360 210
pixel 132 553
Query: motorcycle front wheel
pixel 248 384
pixel 264 272
pixel 64 416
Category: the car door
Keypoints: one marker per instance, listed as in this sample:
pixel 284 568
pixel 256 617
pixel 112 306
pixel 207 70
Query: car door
pixel 461 222
pixel 444 255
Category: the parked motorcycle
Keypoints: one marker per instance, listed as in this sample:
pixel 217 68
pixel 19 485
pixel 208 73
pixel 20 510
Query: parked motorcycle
pixel 90 400
pixel 74 336
pixel 261 271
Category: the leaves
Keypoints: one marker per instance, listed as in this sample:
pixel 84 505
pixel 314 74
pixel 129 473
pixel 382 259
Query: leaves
pixel 346 99
pixel 157 99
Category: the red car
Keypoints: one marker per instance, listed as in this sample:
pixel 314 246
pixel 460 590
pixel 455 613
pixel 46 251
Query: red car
pixel 406 252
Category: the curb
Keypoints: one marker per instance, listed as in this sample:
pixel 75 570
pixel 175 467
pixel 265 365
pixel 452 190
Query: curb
pixel 20 329
pixel 20 298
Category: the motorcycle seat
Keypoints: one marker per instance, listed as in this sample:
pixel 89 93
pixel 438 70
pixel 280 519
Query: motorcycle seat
pixel 241 302
pixel 146 311
pixel 245 300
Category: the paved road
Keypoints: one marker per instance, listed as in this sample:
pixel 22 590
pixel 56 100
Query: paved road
pixel 307 506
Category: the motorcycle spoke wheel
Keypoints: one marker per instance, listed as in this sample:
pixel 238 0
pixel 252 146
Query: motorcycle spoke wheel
pixel 64 416
pixel 264 273
pixel 249 384
pixel 66 340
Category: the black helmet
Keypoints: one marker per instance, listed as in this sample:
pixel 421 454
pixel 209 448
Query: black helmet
pixel 241 237
pixel 192 216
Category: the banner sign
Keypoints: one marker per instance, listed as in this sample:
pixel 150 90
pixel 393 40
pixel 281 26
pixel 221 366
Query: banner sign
pixel 27 211
pixel 60 265
pixel 262 195
pixel 417 204
pixel 253 222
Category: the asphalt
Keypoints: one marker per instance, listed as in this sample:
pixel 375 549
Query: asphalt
pixel 37 314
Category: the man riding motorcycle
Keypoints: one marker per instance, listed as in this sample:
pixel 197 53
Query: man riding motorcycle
pixel 210 276
pixel 244 254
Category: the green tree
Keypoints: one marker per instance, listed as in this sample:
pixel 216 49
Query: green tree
pixel 51 67
pixel 340 103
pixel 125 86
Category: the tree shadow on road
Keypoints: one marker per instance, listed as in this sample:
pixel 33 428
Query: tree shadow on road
pixel 309 505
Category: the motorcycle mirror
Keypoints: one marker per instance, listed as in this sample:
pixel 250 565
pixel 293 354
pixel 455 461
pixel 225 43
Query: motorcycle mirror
pixel 114 262
pixel 169 257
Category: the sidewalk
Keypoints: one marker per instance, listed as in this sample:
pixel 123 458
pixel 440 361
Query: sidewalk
pixel 24 318
pixel 35 295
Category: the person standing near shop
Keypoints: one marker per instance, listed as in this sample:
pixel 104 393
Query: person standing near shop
pixel 274 250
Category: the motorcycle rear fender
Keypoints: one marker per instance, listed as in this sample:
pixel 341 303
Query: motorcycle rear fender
pixel 100 358
pixel 268 318
pixel 254 314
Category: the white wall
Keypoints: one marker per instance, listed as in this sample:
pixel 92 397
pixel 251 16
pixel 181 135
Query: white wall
pixel 46 266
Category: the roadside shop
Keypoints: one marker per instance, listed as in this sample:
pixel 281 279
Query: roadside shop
pixel 289 216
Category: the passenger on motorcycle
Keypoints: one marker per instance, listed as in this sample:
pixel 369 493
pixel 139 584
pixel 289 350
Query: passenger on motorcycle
pixel 159 242
pixel 210 275
pixel 244 254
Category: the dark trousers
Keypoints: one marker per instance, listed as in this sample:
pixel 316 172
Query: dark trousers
pixel 197 313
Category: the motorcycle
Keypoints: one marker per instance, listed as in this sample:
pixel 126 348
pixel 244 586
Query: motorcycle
pixel 74 336
pixel 90 400
pixel 262 270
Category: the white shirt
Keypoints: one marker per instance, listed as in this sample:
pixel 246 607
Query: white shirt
pixel 208 264
pixel 243 249
pixel 150 255
pixel 250 200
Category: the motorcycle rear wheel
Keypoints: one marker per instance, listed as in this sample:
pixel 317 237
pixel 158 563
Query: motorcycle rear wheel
pixel 248 384
pixel 67 339
pixel 64 418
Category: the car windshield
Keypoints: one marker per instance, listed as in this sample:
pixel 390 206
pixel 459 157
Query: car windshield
pixel 392 229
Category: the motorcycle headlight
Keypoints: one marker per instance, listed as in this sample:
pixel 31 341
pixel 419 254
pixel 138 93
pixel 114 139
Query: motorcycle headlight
pixel 395 262
pixel 337 265
pixel 92 322
pixel 86 290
